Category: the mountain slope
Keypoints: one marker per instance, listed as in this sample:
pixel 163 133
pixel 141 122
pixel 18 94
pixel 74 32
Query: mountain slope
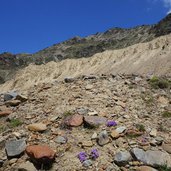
pixel 144 59
pixel 77 47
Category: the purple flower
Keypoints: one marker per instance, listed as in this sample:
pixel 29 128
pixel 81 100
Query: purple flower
pixel 82 156
pixel 94 154
pixel 111 123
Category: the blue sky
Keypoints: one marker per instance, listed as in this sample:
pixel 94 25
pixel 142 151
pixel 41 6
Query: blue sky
pixel 28 26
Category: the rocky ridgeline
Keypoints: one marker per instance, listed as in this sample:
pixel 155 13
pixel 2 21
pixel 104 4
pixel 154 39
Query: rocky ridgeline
pixel 78 47
pixel 94 123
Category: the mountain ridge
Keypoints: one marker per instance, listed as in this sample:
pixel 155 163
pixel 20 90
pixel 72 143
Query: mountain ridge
pixel 77 47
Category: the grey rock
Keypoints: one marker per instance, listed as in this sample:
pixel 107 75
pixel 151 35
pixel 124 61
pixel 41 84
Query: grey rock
pixel 69 79
pixel 87 163
pixel 15 147
pixel 94 121
pixel 82 111
pixel 152 158
pixel 103 138
pixel 122 158
pixel 10 96
pixel 120 129
pixel 1 163
pixel 159 140
pixel 26 167
pixel 61 140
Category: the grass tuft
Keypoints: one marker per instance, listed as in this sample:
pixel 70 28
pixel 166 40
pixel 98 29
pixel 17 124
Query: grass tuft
pixel 15 123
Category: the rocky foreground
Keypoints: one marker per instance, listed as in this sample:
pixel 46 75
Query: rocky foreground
pixel 94 123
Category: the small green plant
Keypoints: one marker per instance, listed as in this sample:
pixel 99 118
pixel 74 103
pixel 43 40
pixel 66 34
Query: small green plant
pixel 2 129
pixel 162 128
pixel 148 99
pixel 132 136
pixel 140 127
pixel 161 83
pixel 164 168
pixel 166 114
pixel 15 122
pixel 67 113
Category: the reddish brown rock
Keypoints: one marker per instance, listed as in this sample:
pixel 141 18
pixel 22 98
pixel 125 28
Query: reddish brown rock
pixel 133 132
pixel 5 113
pixel 74 120
pixel 41 153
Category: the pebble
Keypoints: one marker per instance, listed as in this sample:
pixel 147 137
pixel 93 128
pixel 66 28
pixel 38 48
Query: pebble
pixel 61 140
pixel 87 163
pixel 122 158
pixel 74 120
pixel 15 147
pixel 103 138
pixel 39 127
pixel 5 113
pixel 153 132
pixel 94 121
pixel 145 168
pixel 22 98
pixel 93 113
pixel 41 153
pixel 87 144
pixel 27 166
pixel 94 136
pixel 13 103
pixel 121 129
pixel 114 134
pixel 9 96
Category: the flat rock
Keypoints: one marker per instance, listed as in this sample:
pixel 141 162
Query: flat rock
pixel 82 111
pixel 27 166
pixel 15 147
pixel 114 134
pixel 153 132
pixel 122 158
pixel 39 127
pixel 9 96
pixel 103 138
pixel 13 103
pixel 145 168
pixel 89 87
pixel 87 163
pixel 5 113
pixel 87 144
pixel 22 98
pixel 94 136
pixel 74 120
pixel 93 113
pixel 69 79
pixel 94 121
pixel 152 158
pixel 120 129
pixel 61 140
pixel 41 153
